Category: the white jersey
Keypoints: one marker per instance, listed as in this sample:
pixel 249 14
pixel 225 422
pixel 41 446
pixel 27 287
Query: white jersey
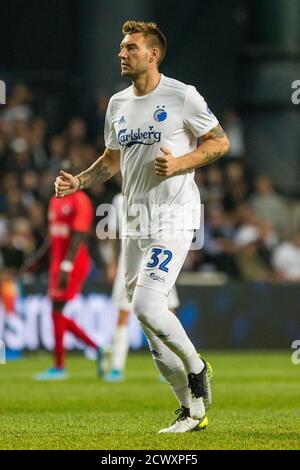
pixel 173 115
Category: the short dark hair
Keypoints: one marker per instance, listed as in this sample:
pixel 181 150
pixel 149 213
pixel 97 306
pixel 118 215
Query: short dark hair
pixel 150 31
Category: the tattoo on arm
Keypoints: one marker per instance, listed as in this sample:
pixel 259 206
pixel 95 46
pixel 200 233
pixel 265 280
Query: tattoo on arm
pixel 211 156
pixel 215 133
pixel 97 173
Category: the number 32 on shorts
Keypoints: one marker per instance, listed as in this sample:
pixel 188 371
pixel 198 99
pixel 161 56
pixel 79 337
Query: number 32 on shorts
pixel 160 258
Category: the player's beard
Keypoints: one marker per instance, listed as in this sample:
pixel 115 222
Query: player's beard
pixel 127 74
pixel 131 76
pixel 133 73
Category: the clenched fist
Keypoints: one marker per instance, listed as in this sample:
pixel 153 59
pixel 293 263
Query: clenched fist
pixel 66 184
pixel 166 164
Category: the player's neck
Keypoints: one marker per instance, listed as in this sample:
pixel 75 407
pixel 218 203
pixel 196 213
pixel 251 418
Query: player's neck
pixel 146 83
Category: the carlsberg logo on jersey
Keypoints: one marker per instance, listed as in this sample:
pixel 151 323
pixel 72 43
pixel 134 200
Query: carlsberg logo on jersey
pixel 128 138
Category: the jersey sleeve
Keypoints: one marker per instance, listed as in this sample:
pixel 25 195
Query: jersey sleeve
pixel 110 137
pixel 83 214
pixel 196 114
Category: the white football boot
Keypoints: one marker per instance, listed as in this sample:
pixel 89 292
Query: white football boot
pixel 184 423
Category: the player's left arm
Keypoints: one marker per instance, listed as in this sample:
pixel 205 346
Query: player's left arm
pixel 80 228
pixel 214 145
pixel 66 266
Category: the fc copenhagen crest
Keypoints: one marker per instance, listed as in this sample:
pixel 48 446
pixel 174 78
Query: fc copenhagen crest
pixel 160 114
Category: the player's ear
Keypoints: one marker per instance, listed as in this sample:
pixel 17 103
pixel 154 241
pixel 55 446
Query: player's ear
pixel 154 54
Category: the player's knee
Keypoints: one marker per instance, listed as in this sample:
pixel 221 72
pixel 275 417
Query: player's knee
pixel 141 307
pixel 147 304
pixel 143 313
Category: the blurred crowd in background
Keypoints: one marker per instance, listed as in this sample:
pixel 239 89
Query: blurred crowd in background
pixel 252 232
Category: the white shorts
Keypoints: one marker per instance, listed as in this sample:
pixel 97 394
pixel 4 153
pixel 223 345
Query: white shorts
pixel 154 263
pixel 119 293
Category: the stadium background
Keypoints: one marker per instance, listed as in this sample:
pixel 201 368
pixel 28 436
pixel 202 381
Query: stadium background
pixel 59 61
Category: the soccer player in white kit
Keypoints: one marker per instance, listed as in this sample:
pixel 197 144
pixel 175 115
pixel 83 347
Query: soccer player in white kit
pixel 151 133
pixel 120 341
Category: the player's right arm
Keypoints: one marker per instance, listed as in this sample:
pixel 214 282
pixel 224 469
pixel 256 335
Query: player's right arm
pixel 102 170
pixel 32 262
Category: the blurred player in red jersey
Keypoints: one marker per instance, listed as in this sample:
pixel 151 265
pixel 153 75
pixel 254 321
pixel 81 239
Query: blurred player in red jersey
pixel 70 220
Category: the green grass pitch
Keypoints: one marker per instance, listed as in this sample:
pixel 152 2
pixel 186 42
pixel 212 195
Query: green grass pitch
pixel 256 406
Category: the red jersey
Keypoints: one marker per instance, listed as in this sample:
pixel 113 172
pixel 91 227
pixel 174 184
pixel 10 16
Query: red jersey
pixel 72 213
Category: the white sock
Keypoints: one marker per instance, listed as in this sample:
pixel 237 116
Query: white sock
pixel 171 368
pixel 120 345
pixel 151 307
